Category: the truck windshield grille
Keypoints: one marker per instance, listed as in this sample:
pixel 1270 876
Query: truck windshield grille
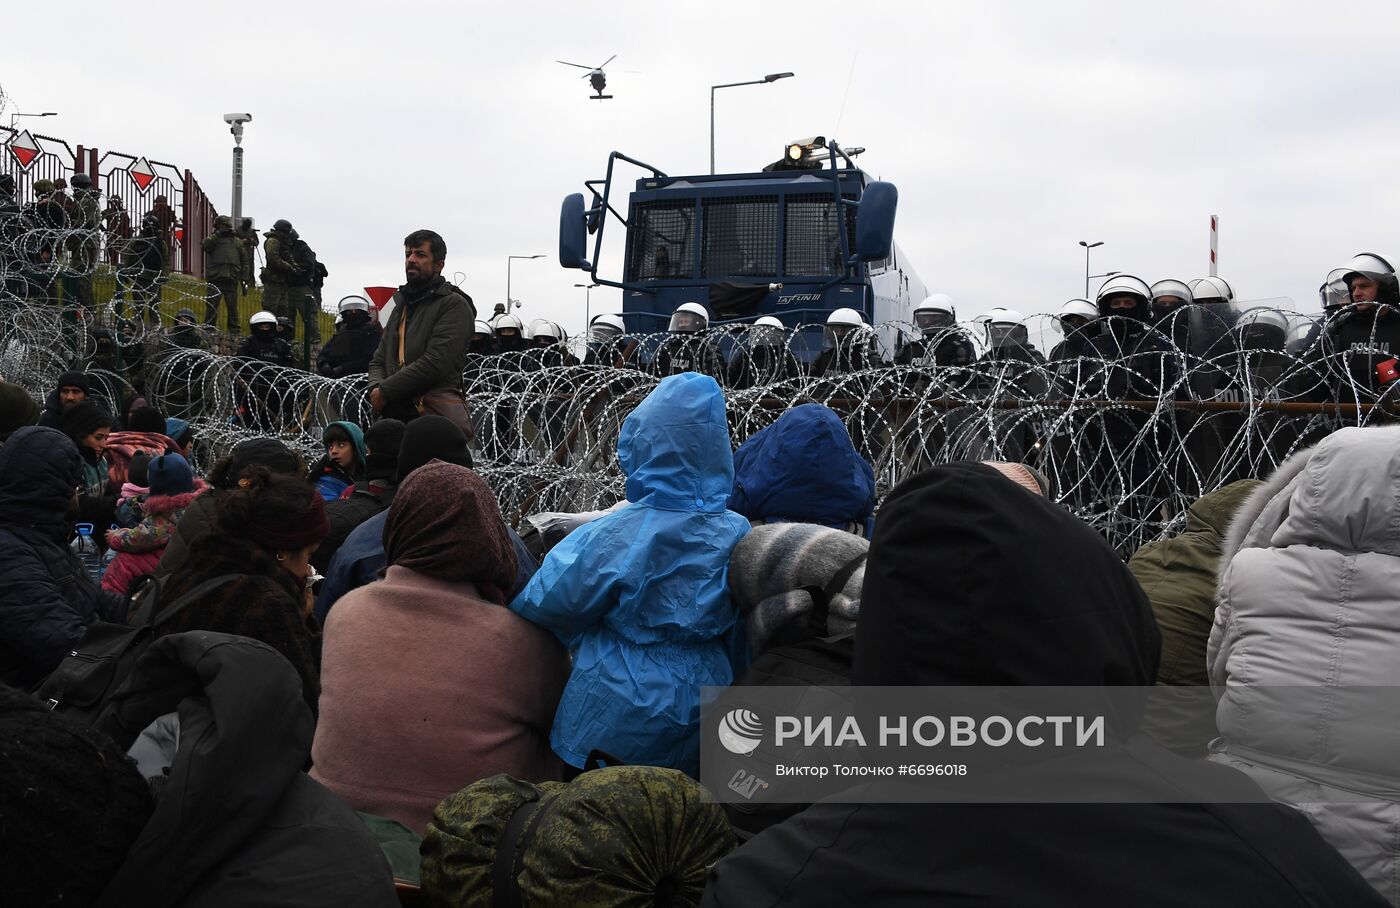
pixel 741 237
pixel 663 241
pixel 812 245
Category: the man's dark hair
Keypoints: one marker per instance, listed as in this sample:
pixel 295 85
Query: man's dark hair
pixel 436 244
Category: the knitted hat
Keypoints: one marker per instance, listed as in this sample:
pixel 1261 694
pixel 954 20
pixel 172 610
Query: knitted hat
pixel 74 380
pixel 178 430
pixel 136 469
pixel 432 438
pixel 17 409
pixel 308 528
pixel 146 419
pixel 169 474
pixel 1027 477
pixel 72 801
pixel 82 420
pixel 267 452
pixel 384 440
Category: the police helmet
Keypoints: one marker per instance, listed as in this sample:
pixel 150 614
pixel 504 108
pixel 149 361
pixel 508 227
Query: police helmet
pixel 1164 290
pixel 1005 327
pixel 352 304
pixel 1080 308
pixel 689 318
pixel 263 318
pixel 82 181
pixel 605 327
pixel 544 329
pixel 1211 290
pixel 767 331
pixel 936 313
pixel 1124 285
pixel 282 225
pixel 1337 291
pixel 1262 329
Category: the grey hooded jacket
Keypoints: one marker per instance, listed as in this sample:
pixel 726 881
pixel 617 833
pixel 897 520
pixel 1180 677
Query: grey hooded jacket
pixel 1304 654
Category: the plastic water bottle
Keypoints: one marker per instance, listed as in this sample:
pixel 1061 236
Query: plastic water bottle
pixel 85 547
pixel 109 556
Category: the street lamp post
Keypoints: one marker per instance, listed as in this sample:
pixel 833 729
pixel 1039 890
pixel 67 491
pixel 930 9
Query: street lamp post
pixel 587 305
pixel 510 303
pixel 15 116
pixel 1087 246
pixel 771 77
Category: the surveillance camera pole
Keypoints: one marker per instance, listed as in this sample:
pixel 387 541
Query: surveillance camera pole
pixel 236 127
pixel 510 303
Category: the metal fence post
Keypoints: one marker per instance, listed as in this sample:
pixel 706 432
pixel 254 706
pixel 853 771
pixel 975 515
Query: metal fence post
pixel 307 314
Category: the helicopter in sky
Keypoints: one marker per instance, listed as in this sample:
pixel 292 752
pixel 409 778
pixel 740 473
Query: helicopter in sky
pixel 595 76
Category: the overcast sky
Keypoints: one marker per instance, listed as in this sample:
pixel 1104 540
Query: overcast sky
pixel 1013 130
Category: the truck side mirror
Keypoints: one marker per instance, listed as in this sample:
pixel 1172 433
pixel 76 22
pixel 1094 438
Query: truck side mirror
pixel 874 221
pixel 573 236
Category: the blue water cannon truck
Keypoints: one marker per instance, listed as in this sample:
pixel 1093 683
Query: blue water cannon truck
pixel 803 237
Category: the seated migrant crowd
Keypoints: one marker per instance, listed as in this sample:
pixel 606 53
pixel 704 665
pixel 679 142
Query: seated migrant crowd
pixel 508 719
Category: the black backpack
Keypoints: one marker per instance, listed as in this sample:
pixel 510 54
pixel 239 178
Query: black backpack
pixel 88 676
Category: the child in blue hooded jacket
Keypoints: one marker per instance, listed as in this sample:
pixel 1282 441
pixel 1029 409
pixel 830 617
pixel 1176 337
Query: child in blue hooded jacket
pixel 641 595
pixel 344 460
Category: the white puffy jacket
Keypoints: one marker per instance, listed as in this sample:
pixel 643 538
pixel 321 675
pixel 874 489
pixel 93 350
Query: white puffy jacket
pixel 1304 655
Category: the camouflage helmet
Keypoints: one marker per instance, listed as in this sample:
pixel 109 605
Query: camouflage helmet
pixel 223 220
pixel 43 187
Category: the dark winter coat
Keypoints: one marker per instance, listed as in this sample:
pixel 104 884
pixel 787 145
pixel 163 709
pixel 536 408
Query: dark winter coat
pixel 263 601
pixel 268 348
pixel 236 820
pixel 1043 623
pixel 349 351
pixel 196 523
pixel 367 498
pixel 46 598
pixel 438 327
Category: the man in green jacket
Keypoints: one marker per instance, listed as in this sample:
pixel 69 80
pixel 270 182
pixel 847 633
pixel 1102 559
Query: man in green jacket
pixel 1178 575
pixel 223 266
pixel 418 365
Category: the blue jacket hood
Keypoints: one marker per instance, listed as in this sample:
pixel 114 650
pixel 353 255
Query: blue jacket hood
pixel 803 468
pixel 674 448
pixel 39 469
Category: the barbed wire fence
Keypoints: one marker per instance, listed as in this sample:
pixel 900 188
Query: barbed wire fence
pixel 1127 444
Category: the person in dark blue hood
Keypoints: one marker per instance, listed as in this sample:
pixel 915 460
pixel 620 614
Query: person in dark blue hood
pixel 804 469
pixel 641 595
pixel 1011 614
pixel 47 600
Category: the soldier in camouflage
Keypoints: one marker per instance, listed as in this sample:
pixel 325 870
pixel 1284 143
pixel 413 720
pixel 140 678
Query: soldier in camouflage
pixel 280 272
pixel 83 244
pixel 249 238
pixel 223 268
pixel 310 278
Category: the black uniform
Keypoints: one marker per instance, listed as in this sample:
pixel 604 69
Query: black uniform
pixel 688 353
pixel 348 352
pixel 1342 366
